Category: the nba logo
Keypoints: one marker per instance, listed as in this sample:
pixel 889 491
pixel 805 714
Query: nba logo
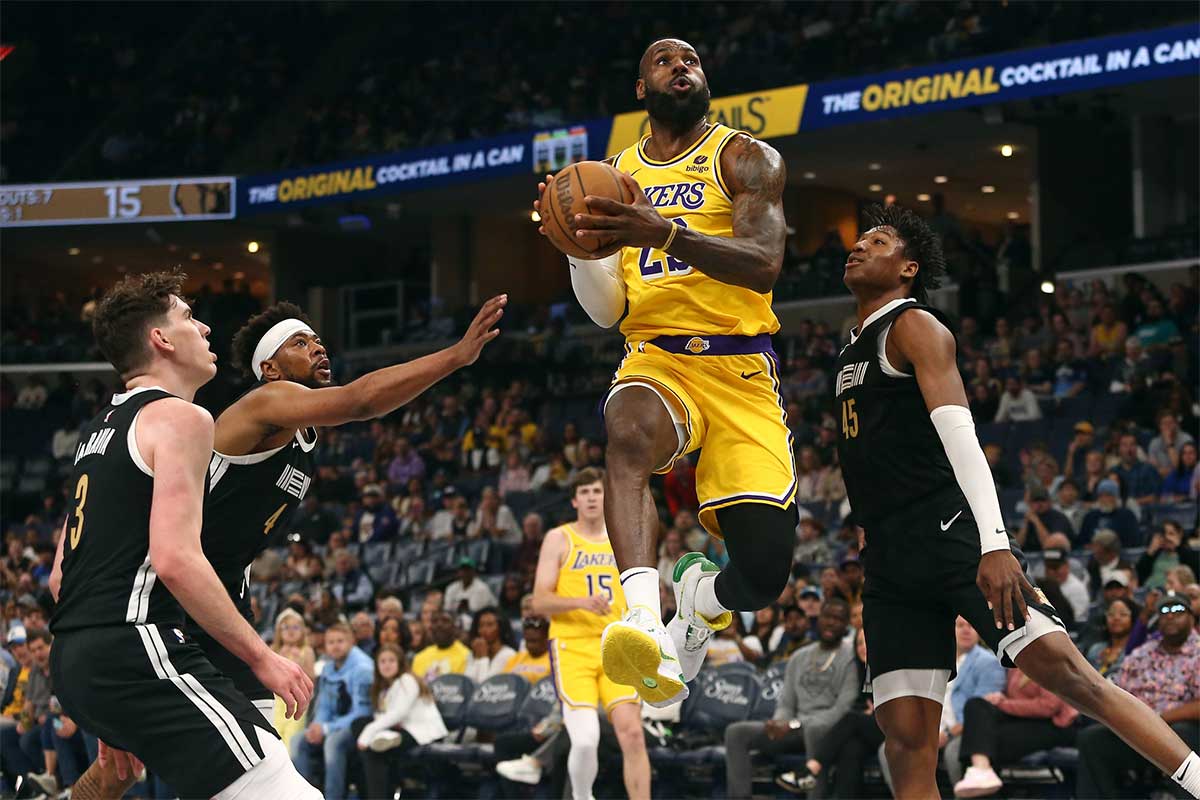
pixel 696 345
pixel 179 635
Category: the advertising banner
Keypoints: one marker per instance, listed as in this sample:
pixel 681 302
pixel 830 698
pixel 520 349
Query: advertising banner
pixel 1058 69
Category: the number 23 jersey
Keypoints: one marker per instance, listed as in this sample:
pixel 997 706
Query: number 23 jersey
pixel 589 568
pixel 666 296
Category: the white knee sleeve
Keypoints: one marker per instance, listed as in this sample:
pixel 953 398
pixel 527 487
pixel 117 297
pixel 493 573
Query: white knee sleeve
pixel 273 778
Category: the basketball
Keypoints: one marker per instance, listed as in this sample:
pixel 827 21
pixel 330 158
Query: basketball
pixel 564 199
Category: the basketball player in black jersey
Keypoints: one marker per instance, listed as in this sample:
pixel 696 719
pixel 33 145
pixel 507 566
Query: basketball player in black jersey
pixel 936 545
pixel 262 464
pixel 131 563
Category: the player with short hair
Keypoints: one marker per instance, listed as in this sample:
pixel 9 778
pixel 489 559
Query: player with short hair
pixel 577 585
pixel 263 459
pixel 703 244
pixel 130 564
pixel 937 546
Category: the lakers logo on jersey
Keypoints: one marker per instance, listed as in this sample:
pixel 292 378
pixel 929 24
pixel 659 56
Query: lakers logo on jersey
pixel 667 296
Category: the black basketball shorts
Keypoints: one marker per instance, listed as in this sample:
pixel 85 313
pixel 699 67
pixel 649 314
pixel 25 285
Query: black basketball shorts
pixel 238 671
pixel 151 691
pixel 920 570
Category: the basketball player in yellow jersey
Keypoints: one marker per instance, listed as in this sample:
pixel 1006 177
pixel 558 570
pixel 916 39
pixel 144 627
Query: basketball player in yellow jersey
pixel 703 243
pixel 578 587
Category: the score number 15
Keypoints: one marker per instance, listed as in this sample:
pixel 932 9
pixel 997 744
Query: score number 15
pixel 123 201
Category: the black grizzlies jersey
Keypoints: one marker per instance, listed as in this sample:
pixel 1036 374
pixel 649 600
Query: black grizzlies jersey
pixel 107 578
pixel 891 455
pixel 251 502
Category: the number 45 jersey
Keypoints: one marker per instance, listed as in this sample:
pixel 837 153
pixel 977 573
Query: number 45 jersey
pixel 891 455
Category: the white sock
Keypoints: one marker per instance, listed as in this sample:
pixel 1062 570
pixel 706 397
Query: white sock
pixel 707 604
pixel 641 589
pixel 1188 774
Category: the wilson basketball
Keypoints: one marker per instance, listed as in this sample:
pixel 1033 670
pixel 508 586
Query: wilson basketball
pixel 564 199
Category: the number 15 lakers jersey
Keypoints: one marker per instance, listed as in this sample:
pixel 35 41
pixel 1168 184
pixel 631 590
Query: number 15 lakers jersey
pixel 666 296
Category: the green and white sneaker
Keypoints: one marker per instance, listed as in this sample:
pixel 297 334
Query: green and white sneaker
pixel 689 630
pixel 637 651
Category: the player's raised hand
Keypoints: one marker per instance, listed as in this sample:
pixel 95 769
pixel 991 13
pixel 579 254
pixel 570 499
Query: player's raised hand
pixel 285 678
pixel 127 765
pixel 480 332
pixel 634 224
pixel 1004 584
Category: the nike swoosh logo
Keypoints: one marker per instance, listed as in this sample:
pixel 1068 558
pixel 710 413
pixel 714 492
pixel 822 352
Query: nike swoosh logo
pixel 751 375
pixel 1185 769
pixel 946 525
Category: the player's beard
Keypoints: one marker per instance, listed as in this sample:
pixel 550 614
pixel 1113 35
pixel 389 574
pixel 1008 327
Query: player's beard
pixel 678 113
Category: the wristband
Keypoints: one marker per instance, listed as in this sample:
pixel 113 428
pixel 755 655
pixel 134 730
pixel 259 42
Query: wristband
pixel 670 237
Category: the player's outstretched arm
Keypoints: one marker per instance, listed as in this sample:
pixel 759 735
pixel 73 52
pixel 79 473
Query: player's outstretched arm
pixel 752 257
pixel 546 601
pixel 175 438
pixel 918 340
pixel 284 404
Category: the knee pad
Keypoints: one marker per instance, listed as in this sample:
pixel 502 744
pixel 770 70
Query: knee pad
pixel 760 539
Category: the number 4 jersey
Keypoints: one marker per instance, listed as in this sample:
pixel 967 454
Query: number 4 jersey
pixel 107 578
pixel 589 568
pixel 892 458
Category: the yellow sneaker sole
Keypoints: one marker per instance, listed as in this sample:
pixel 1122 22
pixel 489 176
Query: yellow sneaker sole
pixel 631 657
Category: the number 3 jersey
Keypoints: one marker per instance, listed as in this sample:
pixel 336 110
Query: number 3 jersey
pixel 891 455
pixel 107 578
pixel 667 296
pixel 589 568
pixel 251 502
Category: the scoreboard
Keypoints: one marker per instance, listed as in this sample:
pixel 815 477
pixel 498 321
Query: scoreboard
pixel 107 202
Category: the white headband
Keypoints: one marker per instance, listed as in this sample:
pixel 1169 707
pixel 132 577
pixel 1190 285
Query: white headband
pixel 273 339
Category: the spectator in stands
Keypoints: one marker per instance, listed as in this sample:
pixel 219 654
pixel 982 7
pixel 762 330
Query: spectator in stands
pixel 1162 674
pixel 1110 515
pixel 1041 520
pixel 1183 482
pixel 1081 443
pixel 1067 503
pixel 405 465
pixel 1134 372
pixel 1178 579
pixel 1058 569
pixel 446 655
pixel 732 644
pixel 404 716
pixel 796 634
pixel 1106 655
pixel 1166 448
pixel 492 644
pixel 767 629
pixel 1001 346
pixel 343 695
pixel 1139 480
pixel 820 685
pixel 669 552
pixel 441 523
pixel 985 377
pixel 494 520
pixel 679 487
pixel 1070 373
pixel 1001 474
pixel 844 749
pixel 514 476
pixel 364 632
pixel 467 594
pixel 983 403
pixel 21 744
pixel 1002 727
pixel 1017 404
pixel 532 661
pixel 1157 329
pixel 811 477
pixel 1039 378
pixel 850 579
pixel 393 631
pixel 375 521
pixel 811 545
pixel 1167 549
pixel 533 530
pixel 349 585
pixel 301 562
pixel 553 473
pixel 1106 559
pixel 1108 334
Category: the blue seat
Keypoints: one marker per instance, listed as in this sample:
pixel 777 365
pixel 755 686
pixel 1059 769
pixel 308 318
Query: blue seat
pixel 420 573
pixel 493 707
pixel 477 550
pixel 452 694
pixel 768 696
pixel 540 701
pixel 407 550
pixel 376 553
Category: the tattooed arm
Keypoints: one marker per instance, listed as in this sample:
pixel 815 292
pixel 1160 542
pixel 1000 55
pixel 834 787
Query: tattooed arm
pixel 753 256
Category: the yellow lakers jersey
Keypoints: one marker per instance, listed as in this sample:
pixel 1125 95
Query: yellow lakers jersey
pixel 666 296
pixel 530 668
pixel 590 568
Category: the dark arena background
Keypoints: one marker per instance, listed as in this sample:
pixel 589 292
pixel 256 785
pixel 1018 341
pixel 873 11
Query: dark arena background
pixel 376 163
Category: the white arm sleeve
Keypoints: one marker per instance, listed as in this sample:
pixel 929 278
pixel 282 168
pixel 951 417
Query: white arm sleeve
pixel 599 287
pixel 957 432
